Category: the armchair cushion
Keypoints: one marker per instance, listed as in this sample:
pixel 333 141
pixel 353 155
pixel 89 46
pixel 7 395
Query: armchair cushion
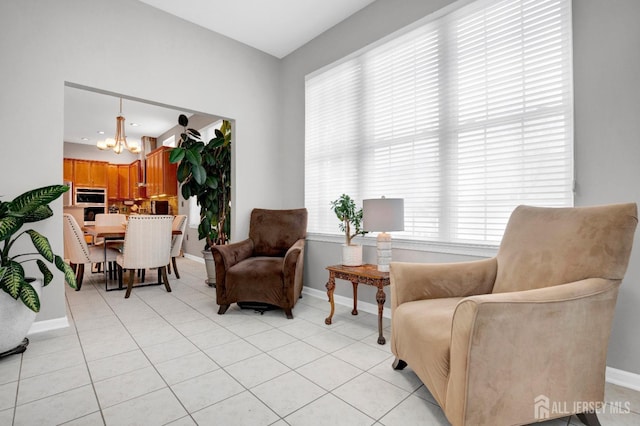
pixel 571 243
pixel 274 231
pixel 264 274
pixel 414 334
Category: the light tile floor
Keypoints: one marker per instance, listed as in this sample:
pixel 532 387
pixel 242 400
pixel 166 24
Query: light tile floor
pixel 162 358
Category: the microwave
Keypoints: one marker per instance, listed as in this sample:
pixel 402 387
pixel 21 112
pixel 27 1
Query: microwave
pixel 90 196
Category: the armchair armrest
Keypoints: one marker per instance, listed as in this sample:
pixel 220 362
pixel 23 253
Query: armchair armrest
pixel 291 261
pixel 231 254
pixel 225 256
pixel 418 281
pixel 550 341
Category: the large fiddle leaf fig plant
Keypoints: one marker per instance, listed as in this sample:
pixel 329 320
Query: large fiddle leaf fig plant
pixel 204 171
pixel 32 206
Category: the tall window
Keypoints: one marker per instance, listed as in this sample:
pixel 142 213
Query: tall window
pixel 464 117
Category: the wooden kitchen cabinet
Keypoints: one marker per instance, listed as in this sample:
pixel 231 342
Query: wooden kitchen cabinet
pixel 161 174
pixel 135 178
pixel 112 190
pixel 67 174
pixel 123 182
pixel 93 174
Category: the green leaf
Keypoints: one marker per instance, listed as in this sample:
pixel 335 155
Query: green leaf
pixel 35 198
pixel 186 191
pixel 199 174
pixel 9 225
pixel 193 157
pixel 69 275
pixel 41 243
pixel 176 155
pixel 183 172
pixel 29 297
pixel 194 133
pixel 46 273
pixel 13 278
pixel 40 213
pixel 183 120
pixel 217 142
pixel 212 182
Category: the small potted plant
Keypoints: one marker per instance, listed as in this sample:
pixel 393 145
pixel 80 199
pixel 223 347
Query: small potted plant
pixel 351 224
pixel 204 171
pixel 20 298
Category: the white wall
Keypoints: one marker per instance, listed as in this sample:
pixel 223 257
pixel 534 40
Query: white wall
pixel 607 125
pixel 128 48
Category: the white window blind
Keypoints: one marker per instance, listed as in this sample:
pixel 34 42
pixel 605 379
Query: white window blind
pixel 464 117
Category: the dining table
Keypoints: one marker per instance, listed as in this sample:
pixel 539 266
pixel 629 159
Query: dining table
pixel 115 233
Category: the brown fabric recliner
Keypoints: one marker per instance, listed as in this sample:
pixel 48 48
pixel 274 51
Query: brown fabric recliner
pixel 266 267
pixel 499 341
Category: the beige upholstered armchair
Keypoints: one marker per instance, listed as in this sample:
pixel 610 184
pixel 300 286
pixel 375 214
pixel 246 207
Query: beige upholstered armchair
pixel 492 338
pixel 267 267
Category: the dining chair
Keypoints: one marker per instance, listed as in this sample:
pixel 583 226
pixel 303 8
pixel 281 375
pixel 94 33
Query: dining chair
pixel 77 250
pixel 179 224
pixel 147 244
pixel 110 219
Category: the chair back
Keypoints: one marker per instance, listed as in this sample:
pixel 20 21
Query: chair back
pixel 110 219
pixel 75 246
pixel 274 231
pixel 179 224
pixel 147 242
pixel 543 247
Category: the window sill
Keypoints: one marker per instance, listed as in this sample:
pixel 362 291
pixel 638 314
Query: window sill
pixel 427 246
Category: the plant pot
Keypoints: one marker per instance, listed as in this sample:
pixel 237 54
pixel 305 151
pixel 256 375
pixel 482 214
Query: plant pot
pixel 352 255
pixel 16 319
pixel 210 264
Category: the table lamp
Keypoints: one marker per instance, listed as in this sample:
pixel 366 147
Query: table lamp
pixel 382 215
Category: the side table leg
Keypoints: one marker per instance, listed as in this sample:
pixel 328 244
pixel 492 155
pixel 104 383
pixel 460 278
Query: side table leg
pixel 355 298
pixel 331 285
pixel 380 298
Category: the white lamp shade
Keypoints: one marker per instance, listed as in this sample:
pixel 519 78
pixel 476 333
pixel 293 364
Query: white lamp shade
pixel 383 214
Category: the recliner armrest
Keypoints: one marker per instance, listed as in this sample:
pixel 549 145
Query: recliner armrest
pixel 230 254
pixel 419 281
pixel 291 259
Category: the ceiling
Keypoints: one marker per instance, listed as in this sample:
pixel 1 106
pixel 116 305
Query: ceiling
pixel 276 27
pixel 86 113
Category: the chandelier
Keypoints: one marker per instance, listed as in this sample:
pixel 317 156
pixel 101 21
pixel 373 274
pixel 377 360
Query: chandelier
pixel 120 142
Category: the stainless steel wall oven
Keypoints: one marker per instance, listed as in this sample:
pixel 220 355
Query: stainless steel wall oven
pixel 93 201
pixel 90 196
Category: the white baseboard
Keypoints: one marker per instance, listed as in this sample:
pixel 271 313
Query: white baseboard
pixel 613 375
pixel 623 378
pixel 195 258
pixel 347 301
pixel 48 325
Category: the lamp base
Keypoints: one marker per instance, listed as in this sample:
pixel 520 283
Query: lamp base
pixel 383 248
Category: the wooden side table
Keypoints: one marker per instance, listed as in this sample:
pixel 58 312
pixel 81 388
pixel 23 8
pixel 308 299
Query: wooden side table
pixel 365 274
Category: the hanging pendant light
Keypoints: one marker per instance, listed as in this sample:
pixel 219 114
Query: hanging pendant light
pixel 120 142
